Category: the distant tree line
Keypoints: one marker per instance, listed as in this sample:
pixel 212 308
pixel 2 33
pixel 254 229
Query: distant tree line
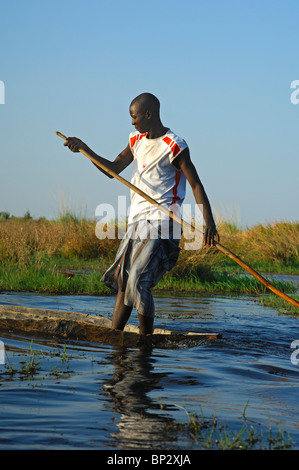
pixel 4 215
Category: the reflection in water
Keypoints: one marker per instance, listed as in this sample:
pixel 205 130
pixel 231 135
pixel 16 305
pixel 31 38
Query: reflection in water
pixel 134 378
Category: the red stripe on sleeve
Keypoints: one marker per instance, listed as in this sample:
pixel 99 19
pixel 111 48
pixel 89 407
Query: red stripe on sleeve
pixel 173 145
pixel 175 149
pixel 167 140
pixel 134 139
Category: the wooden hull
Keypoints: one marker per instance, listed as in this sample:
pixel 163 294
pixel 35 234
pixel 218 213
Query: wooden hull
pixel 91 328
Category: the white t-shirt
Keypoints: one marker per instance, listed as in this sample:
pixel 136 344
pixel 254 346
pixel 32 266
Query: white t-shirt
pixel 154 173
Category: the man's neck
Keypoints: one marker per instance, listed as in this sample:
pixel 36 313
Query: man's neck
pixel 156 131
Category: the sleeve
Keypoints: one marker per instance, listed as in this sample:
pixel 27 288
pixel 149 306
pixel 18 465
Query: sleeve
pixel 176 144
pixel 133 138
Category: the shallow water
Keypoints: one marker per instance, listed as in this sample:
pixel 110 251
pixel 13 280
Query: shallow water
pixel 97 396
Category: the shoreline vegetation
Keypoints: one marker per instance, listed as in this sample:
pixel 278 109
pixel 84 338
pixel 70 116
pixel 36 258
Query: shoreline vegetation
pixel 64 256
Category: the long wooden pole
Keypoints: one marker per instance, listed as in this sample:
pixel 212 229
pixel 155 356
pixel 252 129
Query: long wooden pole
pixel 218 245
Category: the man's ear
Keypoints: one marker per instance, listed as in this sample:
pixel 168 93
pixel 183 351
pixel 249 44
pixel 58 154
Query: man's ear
pixel 148 114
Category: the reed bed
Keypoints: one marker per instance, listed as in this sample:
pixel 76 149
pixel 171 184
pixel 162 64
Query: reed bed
pixel 21 239
pixel 273 247
pixel 65 256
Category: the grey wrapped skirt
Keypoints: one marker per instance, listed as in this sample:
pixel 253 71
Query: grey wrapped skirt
pixel 144 255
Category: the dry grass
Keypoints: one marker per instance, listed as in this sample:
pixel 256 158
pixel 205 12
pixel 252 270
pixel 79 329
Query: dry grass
pixel 275 244
pixel 34 253
pixel 21 239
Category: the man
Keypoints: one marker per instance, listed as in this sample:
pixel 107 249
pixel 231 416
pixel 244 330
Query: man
pixel 161 166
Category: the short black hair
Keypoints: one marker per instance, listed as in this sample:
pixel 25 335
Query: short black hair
pixel 148 101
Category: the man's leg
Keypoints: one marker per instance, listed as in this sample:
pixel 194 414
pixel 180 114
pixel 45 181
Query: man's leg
pixel 121 315
pixel 146 324
pixel 121 312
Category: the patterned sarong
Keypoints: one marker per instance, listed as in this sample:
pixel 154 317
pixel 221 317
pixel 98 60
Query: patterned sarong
pixel 146 252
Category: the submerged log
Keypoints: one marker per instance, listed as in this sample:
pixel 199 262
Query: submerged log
pixel 88 327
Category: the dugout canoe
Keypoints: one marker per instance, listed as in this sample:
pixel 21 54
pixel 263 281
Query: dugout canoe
pixel 91 328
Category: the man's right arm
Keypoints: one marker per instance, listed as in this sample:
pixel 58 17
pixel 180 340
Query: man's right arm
pixel 117 166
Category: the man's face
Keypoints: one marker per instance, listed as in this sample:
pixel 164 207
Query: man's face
pixel 140 118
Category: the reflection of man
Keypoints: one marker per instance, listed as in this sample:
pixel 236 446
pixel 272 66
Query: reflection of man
pixel 141 425
pixel 161 165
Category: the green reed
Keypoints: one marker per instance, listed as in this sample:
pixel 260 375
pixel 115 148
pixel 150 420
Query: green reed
pixel 65 256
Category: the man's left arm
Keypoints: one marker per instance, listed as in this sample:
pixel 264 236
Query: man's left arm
pixel 183 161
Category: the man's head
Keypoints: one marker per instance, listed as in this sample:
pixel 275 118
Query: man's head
pixel 147 102
pixel 145 111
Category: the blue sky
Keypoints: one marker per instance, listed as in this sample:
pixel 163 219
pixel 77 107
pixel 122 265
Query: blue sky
pixel 221 69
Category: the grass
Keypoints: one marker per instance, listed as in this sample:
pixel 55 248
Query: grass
pixel 209 434
pixel 64 256
pixel 280 304
pixel 32 364
pixel 45 276
pixel 273 247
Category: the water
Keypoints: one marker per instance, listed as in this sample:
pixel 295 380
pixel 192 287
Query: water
pixel 97 396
